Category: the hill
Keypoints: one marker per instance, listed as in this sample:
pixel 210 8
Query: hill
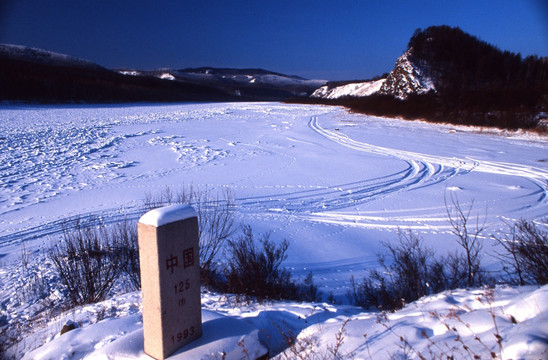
pixel 29 74
pixel 447 75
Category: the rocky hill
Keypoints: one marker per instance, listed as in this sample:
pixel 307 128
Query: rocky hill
pixel 447 75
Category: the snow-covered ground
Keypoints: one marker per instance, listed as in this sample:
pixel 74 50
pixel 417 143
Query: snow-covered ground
pixel 334 184
pixel 428 328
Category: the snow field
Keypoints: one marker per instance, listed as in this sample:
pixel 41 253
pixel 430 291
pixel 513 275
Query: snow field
pixel 291 171
pixel 334 184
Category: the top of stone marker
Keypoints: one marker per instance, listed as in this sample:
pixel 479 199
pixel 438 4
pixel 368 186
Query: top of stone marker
pixel 167 215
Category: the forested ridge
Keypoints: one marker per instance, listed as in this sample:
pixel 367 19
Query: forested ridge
pixel 463 62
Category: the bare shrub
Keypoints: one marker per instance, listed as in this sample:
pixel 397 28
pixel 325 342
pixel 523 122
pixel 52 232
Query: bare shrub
pixel 309 347
pixel 448 272
pixel 215 221
pixel 124 237
pixel 409 270
pixel 215 226
pixel 308 290
pixel 464 339
pixel 467 235
pixel 526 249
pixel 459 348
pixel 404 280
pixel 413 270
pixel 255 269
pixel 33 284
pixel 370 292
pixel 83 260
pixel 251 270
pixel 301 348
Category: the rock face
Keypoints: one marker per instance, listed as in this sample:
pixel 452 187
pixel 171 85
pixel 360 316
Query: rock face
pixel 69 326
pixel 409 76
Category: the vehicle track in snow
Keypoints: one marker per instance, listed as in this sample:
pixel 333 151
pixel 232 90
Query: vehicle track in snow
pixel 440 168
pixel 327 204
pixel 418 173
pixel 463 166
pixel 296 204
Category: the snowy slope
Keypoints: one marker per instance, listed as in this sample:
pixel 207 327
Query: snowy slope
pixel 250 76
pixel 354 89
pixel 462 323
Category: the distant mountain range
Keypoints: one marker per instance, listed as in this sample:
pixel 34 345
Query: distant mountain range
pixel 29 74
pixel 254 84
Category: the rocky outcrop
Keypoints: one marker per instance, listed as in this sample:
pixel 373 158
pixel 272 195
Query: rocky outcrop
pixel 409 76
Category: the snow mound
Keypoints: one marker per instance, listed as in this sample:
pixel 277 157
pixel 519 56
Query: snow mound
pixel 129 72
pixel 224 337
pixel 167 76
pixel 458 323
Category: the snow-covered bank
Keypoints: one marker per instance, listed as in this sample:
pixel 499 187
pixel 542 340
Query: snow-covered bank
pixel 462 323
pixel 353 89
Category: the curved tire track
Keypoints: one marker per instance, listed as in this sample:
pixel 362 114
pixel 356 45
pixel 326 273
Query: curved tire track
pixel 441 169
pixel 418 173
pixel 318 204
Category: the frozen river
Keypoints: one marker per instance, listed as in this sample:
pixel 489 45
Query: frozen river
pixel 334 184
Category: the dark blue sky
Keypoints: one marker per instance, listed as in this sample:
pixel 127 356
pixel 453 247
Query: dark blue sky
pixel 338 39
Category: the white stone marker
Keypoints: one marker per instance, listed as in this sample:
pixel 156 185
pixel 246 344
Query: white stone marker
pixel 170 279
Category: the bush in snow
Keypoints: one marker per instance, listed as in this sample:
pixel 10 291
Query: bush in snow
pixel 124 236
pixel 467 234
pixel 448 272
pixel 308 290
pixel 254 268
pixel 404 280
pixel 90 258
pixel 526 249
pixel 215 222
pixel 414 271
